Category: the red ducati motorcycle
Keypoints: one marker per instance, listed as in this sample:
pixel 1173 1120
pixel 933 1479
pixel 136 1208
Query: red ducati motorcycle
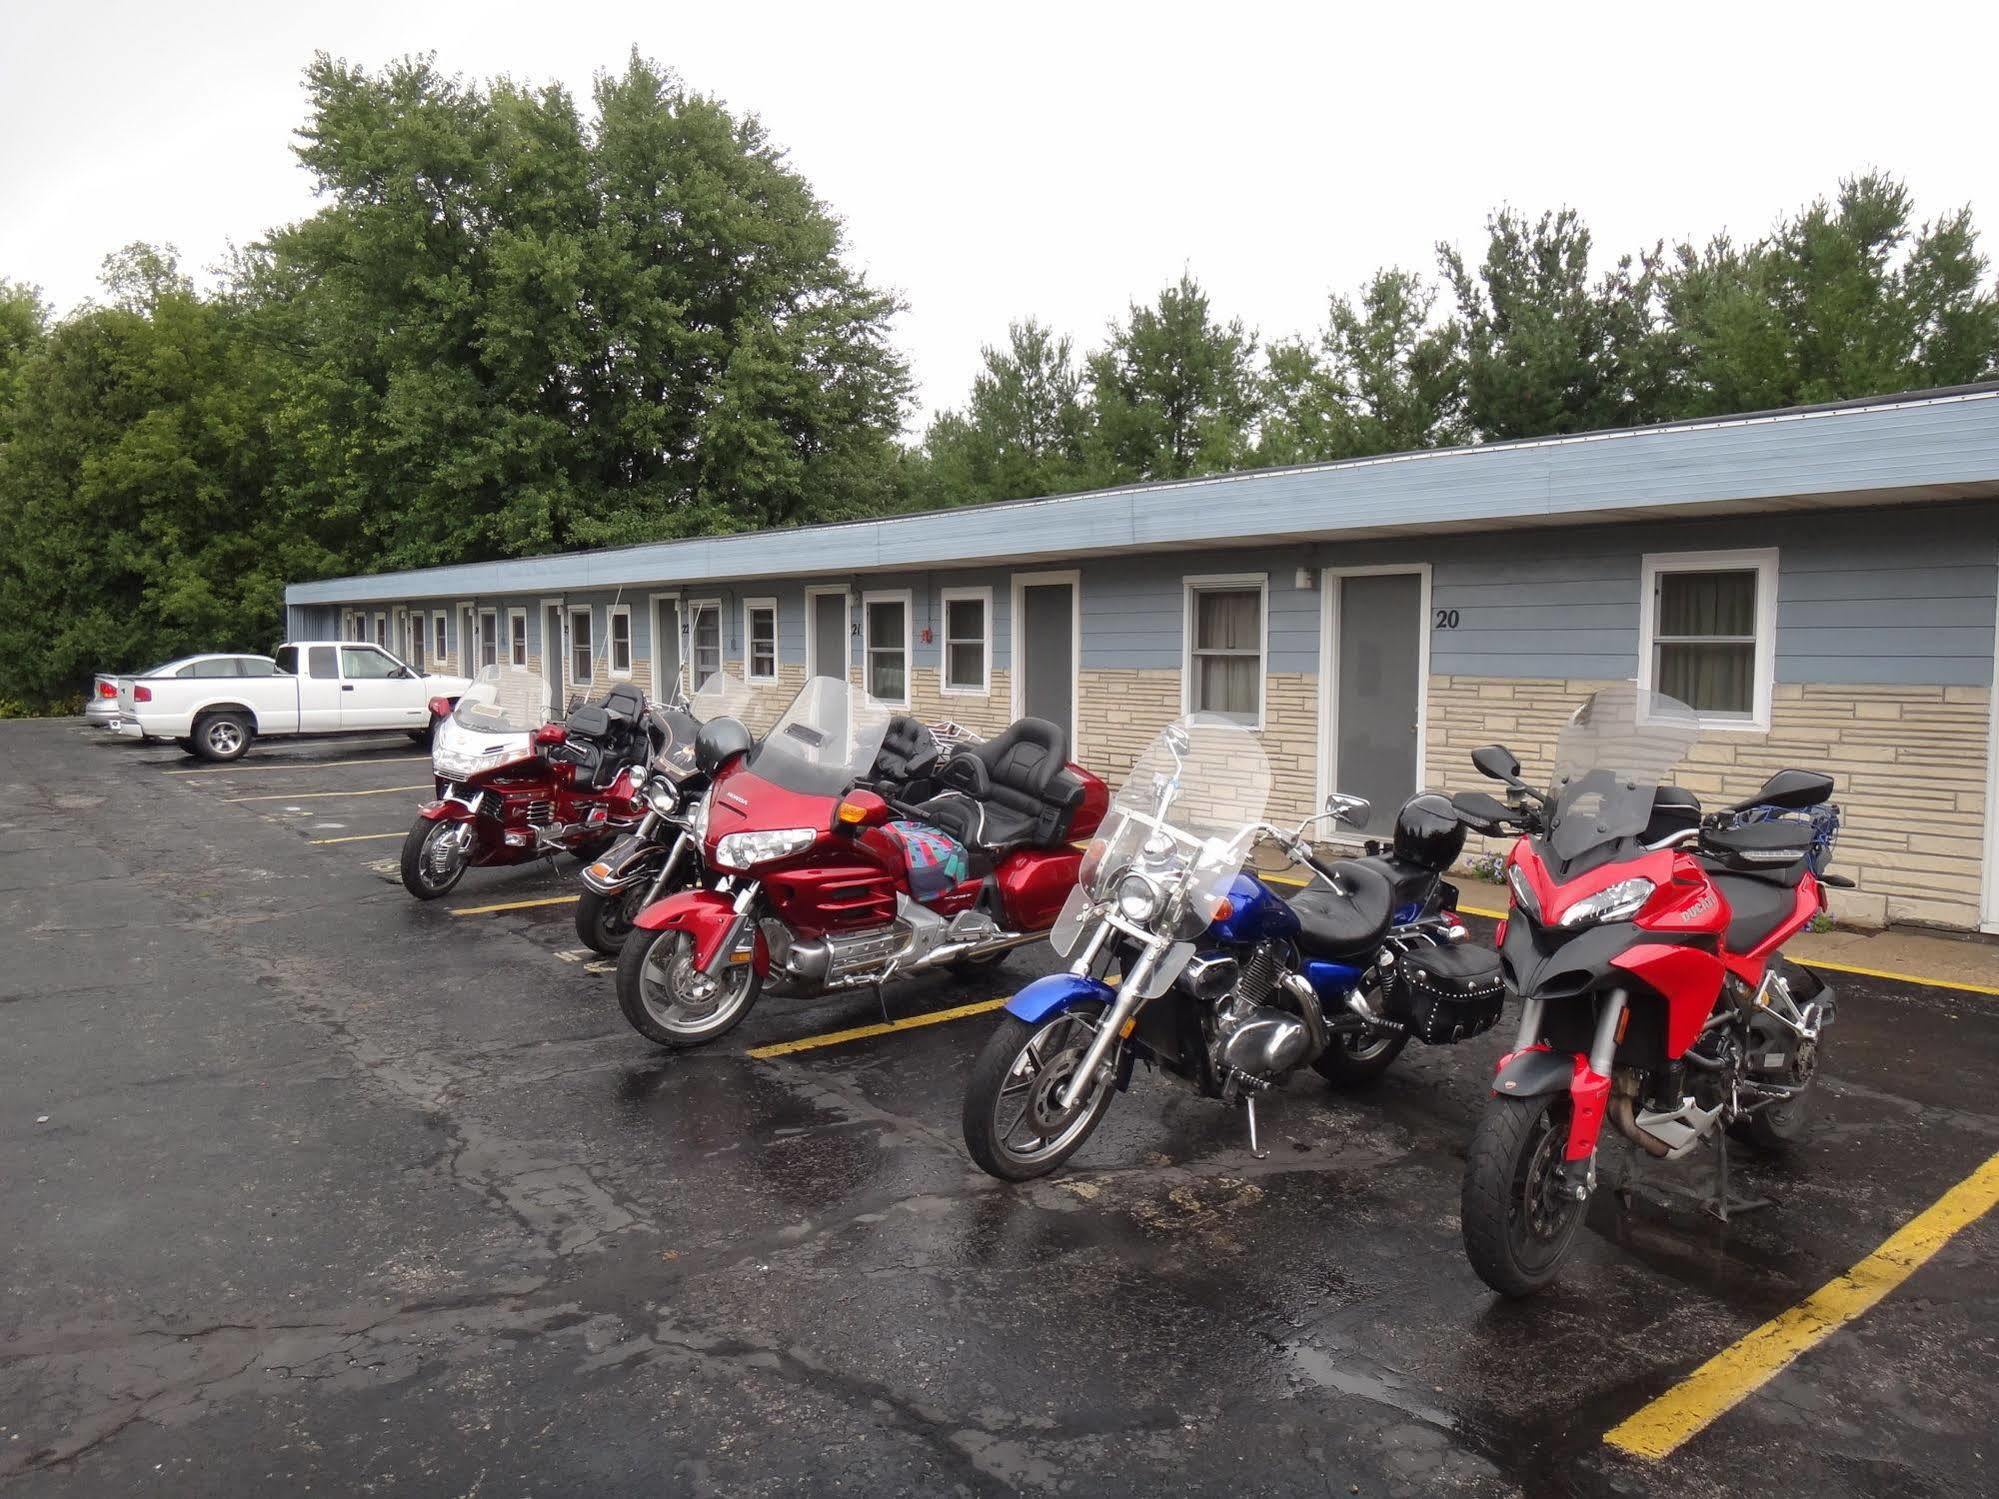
pixel 1645 943
pixel 822 878
pixel 514 786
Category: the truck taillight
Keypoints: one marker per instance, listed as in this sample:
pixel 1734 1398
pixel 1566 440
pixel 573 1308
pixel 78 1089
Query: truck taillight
pixel 142 693
pixel 107 689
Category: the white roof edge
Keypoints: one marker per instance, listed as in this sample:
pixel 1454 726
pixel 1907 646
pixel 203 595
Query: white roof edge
pixel 362 588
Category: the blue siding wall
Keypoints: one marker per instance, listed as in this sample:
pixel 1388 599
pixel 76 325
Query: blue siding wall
pixel 1890 596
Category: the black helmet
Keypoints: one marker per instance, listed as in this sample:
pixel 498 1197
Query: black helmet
pixel 1427 832
pixel 719 742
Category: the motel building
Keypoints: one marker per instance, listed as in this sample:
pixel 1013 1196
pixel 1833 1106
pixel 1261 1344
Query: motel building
pixel 1820 583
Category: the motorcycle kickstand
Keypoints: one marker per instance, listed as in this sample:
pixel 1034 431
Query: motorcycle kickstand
pixel 1249 1107
pixel 1721 1205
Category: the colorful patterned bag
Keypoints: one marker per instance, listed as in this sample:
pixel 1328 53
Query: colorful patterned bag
pixel 936 861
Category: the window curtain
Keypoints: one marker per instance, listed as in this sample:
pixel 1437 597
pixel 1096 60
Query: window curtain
pixel 1227 622
pixel 1709 675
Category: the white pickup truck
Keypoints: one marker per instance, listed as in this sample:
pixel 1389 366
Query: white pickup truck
pixel 318 687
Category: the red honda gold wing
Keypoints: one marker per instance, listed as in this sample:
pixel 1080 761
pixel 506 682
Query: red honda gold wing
pixel 1644 942
pixel 828 881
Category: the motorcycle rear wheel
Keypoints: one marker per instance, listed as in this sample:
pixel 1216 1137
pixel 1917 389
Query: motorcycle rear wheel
pixel 1518 1222
pixel 665 999
pixel 422 875
pixel 1013 1089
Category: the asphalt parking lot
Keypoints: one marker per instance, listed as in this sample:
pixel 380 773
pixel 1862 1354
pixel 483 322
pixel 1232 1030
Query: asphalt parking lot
pixel 309 1187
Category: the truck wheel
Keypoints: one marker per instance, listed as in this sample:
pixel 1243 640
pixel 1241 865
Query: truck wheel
pixel 223 736
pixel 424 735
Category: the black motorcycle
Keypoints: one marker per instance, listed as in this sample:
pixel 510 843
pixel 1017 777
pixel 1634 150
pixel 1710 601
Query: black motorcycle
pixel 663 853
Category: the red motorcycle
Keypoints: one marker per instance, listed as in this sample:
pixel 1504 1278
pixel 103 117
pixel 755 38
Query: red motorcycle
pixel 513 786
pixel 1644 941
pixel 832 884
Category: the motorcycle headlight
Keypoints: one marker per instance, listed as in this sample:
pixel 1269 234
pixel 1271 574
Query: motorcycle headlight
pixel 1612 903
pixel 747 850
pixel 1523 893
pixel 458 754
pixel 1138 899
pixel 661 796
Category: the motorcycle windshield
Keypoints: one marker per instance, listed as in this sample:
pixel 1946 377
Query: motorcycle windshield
pixel 1178 823
pixel 721 696
pixel 503 700
pixel 1615 753
pixel 825 741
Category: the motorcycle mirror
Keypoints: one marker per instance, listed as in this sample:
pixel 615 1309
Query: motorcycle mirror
pixel 1352 810
pixel 1792 790
pixel 1498 762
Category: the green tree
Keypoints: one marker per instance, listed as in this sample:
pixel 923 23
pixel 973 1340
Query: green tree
pixel 1023 428
pixel 1175 390
pixel 516 330
pixel 135 518
pixel 1544 348
pixel 1847 298
pixel 1383 377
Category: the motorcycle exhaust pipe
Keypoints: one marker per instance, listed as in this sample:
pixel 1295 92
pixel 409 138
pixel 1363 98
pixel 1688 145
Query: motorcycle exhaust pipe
pixel 1318 1035
pixel 1627 1123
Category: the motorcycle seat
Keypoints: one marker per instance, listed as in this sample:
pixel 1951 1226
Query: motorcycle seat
pixel 1756 908
pixel 1012 791
pixel 908 751
pixel 1352 912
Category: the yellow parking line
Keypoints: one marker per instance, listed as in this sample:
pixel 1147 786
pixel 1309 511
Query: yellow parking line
pixel 355 838
pixel 237 770
pixel 515 905
pixel 1900 978
pixel 306 796
pixel 883 1028
pixel 1718 1385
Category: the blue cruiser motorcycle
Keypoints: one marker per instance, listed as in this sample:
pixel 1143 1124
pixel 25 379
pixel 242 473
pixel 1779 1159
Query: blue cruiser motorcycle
pixel 1187 961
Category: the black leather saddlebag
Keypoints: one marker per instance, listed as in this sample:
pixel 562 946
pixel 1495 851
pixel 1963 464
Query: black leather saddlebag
pixel 1444 994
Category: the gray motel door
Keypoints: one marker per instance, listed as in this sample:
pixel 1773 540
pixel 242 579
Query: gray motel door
pixel 829 635
pixel 1377 640
pixel 1048 649
pixel 665 648
pixel 552 653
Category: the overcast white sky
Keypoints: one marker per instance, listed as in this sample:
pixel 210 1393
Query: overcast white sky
pixel 993 162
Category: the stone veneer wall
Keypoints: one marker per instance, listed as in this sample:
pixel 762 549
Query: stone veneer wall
pixel 1909 764
pixel 1122 711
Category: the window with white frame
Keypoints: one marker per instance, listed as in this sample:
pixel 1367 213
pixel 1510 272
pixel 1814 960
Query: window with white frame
pixel 885 647
pixel 1709 635
pixel 489 637
pixel 704 639
pixel 760 639
pixel 618 631
pixel 517 637
pixel 968 639
pixel 417 634
pixel 1224 668
pixel 582 649
pixel 440 643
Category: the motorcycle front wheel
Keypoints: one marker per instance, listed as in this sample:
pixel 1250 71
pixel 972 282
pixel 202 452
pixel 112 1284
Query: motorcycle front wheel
pixel 669 1001
pixel 431 867
pixel 1518 1216
pixel 604 921
pixel 1015 1125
